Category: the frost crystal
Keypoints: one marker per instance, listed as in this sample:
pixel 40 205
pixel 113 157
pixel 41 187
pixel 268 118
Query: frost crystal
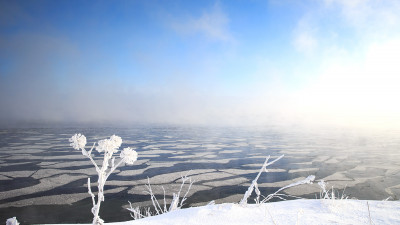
pixel 12 221
pixel 109 145
pixel 78 141
pixel 116 140
pixel 129 155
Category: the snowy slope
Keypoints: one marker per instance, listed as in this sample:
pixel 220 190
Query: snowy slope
pixel 315 211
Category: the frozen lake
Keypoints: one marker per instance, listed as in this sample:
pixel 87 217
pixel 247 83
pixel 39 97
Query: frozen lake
pixel 43 179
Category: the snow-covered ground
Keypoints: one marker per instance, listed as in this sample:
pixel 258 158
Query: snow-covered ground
pixel 314 211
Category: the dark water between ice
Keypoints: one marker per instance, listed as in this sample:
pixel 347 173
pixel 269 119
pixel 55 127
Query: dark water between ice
pixel 43 180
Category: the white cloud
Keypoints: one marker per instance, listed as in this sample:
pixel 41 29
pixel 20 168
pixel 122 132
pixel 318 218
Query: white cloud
pixel 304 39
pixel 369 15
pixel 305 42
pixel 334 20
pixel 213 24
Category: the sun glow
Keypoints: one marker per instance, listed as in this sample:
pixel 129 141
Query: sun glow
pixel 363 92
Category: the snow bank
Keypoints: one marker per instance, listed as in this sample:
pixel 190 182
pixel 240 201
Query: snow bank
pixel 316 211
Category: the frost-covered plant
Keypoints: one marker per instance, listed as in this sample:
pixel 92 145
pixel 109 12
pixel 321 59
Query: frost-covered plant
pixel 254 185
pixel 176 202
pixel 12 221
pixel 109 147
pixel 326 194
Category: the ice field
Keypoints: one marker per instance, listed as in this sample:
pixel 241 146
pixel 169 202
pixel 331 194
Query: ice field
pixel 43 179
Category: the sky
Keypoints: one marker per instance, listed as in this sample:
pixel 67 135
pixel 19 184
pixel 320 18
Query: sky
pixel 333 62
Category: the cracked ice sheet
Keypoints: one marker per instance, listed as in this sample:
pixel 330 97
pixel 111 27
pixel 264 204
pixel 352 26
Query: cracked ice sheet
pixel 211 146
pixel 48 173
pixel 232 199
pixel 321 158
pixel 169 189
pixel 197 175
pixel 303 170
pixel 304 189
pixel 62 199
pixel 258 165
pixel 232 181
pixel 158 179
pixel 242 171
pixel 302 163
pixel 258 157
pixel 334 160
pixel 191 155
pixel 359 168
pixel 209 176
pixel 2 177
pixel 44 185
pixel 261 146
pixel 160 164
pixel 185 146
pixel 219 161
pixel 157 146
pixel 17 174
pixel 61 165
pixel 140 154
pixel 44 158
pixel 17 163
pixel 241 144
pixel 33 138
pixel 17 144
pixel 210 156
pixel 127 173
pixel 392 189
pixel 229 151
pixel 392 171
pixel 22 151
pixel 277 184
pixel 158 151
pixel 144 141
pixel 342 184
pixel 25 147
pixel 337 176
pixel 129 142
pixel 182 157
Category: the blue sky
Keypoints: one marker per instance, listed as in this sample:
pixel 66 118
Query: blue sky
pixel 200 62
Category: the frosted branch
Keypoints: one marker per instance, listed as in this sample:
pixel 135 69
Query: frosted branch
pixel 114 167
pixel 90 192
pixel 254 182
pixel 190 186
pixel 308 180
pixel 153 198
